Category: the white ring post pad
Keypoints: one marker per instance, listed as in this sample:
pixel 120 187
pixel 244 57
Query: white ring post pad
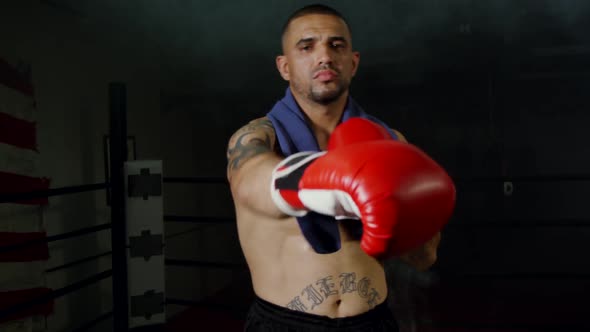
pixel 145 240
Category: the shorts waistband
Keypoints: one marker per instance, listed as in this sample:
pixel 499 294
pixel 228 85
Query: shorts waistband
pixel 275 312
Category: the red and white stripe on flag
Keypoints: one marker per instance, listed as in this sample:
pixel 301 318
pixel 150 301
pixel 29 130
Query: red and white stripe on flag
pixel 18 134
pixel 23 269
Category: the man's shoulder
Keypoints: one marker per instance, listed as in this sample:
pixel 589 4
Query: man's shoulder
pixel 259 130
pixel 262 120
pixel 399 135
pixel 262 123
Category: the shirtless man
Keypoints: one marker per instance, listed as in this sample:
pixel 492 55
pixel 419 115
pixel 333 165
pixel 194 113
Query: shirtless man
pixel 297 288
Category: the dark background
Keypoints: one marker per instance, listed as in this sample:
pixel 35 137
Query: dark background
pixel 496 91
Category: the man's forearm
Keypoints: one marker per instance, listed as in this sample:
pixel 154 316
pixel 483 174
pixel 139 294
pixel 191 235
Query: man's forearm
pixel 251 158
pixel 251 185
pixel 423 257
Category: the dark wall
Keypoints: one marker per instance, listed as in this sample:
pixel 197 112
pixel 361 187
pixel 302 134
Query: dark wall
pixel 496 91
pixel 501 103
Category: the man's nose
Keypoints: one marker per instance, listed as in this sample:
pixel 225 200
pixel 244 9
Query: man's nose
pixel 325 55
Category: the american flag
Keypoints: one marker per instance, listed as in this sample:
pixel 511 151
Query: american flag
pixel 22 270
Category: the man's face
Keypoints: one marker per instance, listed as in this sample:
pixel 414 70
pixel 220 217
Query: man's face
pixel 318 60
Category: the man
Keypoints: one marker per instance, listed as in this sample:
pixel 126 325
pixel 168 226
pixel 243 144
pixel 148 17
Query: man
pixel 308 270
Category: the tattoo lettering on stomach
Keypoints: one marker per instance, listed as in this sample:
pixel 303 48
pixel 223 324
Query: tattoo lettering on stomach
pixel 317 293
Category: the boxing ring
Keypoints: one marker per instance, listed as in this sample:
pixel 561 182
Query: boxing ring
pixel 207 313
pixel 130 311
pixel 145 310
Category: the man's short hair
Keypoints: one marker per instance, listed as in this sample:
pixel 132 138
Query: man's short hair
pixel 314 9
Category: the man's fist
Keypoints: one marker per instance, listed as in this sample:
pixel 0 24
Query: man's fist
pixel 285 189
pixel 357 130
pixel 401 195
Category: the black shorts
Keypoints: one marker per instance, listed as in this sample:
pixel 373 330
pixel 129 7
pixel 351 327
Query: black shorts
pixel 266 316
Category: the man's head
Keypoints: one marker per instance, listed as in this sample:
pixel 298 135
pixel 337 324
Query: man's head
pixel 317 60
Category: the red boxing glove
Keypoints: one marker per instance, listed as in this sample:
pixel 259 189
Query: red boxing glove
pixel 423 198
pixel 401 195
pixel 285 188
pixel 356 130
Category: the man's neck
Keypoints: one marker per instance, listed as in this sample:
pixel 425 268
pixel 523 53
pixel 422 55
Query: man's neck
pixel 323 118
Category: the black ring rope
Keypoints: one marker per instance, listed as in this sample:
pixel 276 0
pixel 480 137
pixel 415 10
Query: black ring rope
pixel 52 238
pixel 194 263
pixel 54 294
pixel 78 262
pixel 16 197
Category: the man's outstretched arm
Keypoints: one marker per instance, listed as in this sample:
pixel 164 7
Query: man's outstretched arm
pixel 251 158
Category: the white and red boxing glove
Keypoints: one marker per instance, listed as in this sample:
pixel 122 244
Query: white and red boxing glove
pixel 295 201
pixel 401 195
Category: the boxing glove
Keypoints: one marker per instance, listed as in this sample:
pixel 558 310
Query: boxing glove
pixel 418 223
pixel 286 176
pixel 402 196
pixel 357 130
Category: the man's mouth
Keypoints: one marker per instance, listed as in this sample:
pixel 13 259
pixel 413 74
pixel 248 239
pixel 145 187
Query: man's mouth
pixel 325 75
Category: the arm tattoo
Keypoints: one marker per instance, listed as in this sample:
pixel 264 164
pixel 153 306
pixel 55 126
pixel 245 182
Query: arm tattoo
pixel 251 140
pixel 315 294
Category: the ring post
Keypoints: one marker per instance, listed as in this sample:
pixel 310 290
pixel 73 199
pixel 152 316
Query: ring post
pixel 118 155
pixel 145 240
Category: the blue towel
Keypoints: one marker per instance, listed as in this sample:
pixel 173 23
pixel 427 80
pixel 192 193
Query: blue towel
pixel 294 135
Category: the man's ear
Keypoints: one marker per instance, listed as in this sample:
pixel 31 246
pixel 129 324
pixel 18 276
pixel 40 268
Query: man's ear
pixel 356 58
pixel 282 66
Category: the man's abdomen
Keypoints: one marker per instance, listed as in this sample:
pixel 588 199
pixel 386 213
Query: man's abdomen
pixel 342 284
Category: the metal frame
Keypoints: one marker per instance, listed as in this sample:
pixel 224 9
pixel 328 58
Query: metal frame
pixel 118 156
pixel 131 148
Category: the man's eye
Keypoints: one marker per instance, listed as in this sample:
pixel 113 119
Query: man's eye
pixel 337 45
pixel 306 48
